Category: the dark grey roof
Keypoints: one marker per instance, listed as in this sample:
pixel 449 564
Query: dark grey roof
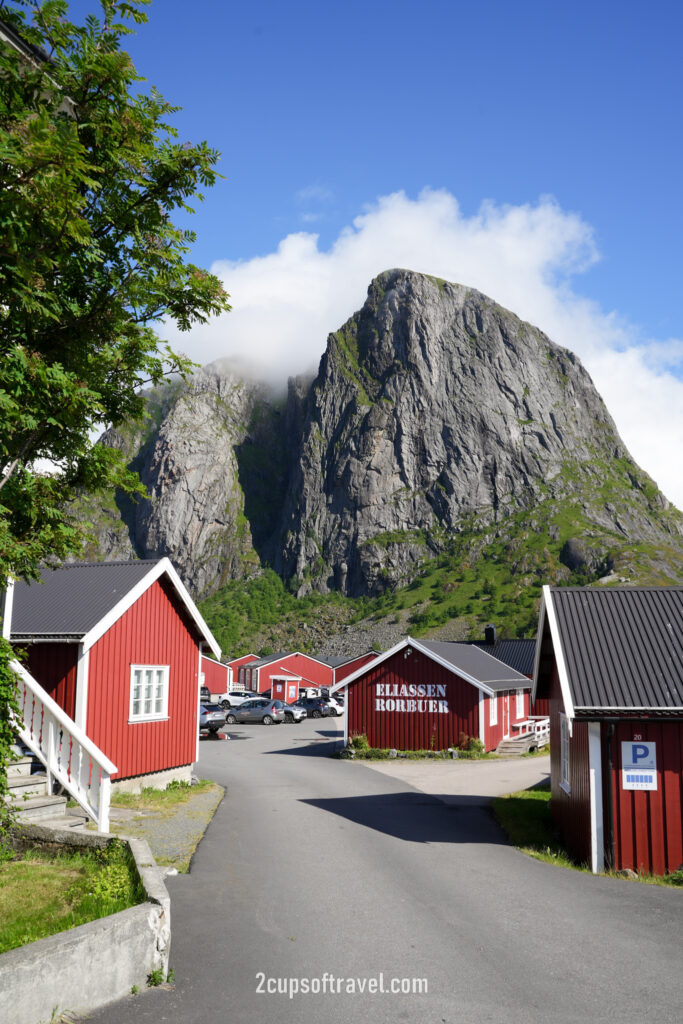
pixel 622 646
pixel 267 660
pixel 72 599
pixel 518 654
pixel 478 664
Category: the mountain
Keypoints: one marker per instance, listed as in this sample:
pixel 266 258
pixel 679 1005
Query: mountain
pixel 439 429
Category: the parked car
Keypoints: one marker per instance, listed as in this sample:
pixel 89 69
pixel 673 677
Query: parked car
pixel 211 717
pixel 294 713
pixel 233 698
pixel 259 710
pixel 205 694
pixel 335 705
pixel 314 707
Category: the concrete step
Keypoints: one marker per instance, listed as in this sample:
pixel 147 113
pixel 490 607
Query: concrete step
pixel 27 785
pixel 517 746
pixel 20 766
pixel 36 808
pixel 70 821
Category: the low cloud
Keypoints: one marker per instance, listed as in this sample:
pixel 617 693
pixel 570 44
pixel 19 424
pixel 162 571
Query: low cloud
pixel 525 257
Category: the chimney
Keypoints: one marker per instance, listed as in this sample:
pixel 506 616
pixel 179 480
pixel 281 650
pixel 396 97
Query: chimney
pixel 490 634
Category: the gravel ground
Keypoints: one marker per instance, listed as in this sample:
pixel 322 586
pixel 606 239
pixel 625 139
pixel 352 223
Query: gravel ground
pixel 173 834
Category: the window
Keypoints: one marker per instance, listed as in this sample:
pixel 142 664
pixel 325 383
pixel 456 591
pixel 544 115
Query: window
pixel 148 692
pixel 493 711
pixel 564 753
pixel 520 704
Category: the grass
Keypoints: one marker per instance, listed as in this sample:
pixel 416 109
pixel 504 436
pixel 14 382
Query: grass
pixel 42 893
pixel 150 815
pixel 525 818
pixel 151 799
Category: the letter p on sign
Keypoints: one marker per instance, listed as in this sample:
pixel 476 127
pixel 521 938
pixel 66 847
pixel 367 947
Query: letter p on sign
pixel 639 752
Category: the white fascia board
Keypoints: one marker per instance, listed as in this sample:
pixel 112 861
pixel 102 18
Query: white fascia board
pixel 559 653
pixel 539 644
pixel 482 723
pixel 628 709
pixel 409 642
pixel 163 566
pixel 82 670
pixel 7 610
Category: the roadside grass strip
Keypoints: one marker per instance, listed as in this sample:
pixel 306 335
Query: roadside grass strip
pixel 525 818
pixel 43 893
pixel 172 820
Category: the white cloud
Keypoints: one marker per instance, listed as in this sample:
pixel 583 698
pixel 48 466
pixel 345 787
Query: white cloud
pixel 525 257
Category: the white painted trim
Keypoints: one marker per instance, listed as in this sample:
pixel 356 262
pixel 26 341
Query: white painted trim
pixel 128 600
pixel 82 672
pixel 346 718
pixel 595 774
pixel 7 610
pixel 482 721
pixel 152 717
pixel 589 708
pixel 539 644
pixel 559 654
pixel 565 748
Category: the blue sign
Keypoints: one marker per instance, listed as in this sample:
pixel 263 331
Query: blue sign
pixel 639 765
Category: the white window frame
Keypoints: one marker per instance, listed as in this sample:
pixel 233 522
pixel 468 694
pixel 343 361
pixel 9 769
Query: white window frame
pixel 519 704
pixel 153 715
pixel 565 768
pixel 493 710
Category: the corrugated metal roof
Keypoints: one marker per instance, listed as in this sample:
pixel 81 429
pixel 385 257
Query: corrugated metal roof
pixel 518 654
pixel 476 663
pixel 622 646
pixel 72 599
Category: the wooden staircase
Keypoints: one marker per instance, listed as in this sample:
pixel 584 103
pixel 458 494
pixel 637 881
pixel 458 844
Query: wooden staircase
pixel 28 792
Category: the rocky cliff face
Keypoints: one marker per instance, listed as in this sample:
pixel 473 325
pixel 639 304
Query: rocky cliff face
pixel 203 446
pixel 435 414
pixel 436 410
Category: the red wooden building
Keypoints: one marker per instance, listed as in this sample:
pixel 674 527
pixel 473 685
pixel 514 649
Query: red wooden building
pixel 291 671
pixel 118 646
pixel 610 663
pixel 215 675
pixel 424 694
pixel 343 667
pixel 235 665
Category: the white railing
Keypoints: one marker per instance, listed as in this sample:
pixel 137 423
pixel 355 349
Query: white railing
pixel 70 758
pixel 536 726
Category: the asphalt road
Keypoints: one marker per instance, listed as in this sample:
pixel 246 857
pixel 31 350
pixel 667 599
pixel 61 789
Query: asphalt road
pixel 314 867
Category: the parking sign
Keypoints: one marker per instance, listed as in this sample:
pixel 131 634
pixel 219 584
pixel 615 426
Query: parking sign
pixel 639 765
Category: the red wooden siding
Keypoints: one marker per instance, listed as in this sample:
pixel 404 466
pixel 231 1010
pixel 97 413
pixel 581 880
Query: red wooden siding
pixel 215 675
pixel 648 825
pixel 54 667
pixel 342 671
pixel 412 730
pixel 541 706
pixel 571 811
pixel 155 631
pixel 282 689
pixel 312 672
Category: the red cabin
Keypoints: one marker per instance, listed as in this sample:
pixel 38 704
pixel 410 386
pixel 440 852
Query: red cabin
pixel 425 694
pixel 310 672
pixel 118 646
pixel 610 663
pixel 214 675
pixel 235 680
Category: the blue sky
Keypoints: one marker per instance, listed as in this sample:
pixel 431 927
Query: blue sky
pixel 562 119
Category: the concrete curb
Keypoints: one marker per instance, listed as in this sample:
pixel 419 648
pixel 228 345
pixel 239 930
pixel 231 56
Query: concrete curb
pixel 82 969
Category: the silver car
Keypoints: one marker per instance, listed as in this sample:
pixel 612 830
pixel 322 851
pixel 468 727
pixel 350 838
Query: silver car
pixel 258 710
pixel 294 714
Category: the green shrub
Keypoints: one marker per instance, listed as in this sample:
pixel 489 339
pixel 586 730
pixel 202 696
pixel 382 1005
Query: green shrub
pixel 359 742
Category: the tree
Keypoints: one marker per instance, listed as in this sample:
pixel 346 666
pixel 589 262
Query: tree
pixel 91 173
